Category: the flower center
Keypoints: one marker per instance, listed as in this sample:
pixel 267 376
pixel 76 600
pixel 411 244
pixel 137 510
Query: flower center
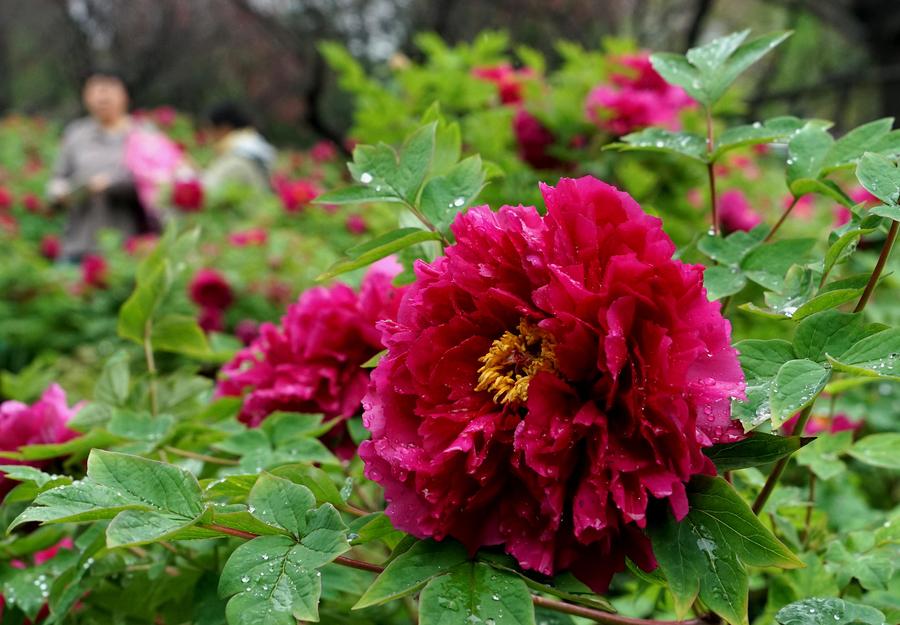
pixel 513 360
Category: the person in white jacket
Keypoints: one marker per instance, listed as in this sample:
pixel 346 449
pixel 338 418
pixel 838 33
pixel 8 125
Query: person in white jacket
pixel 244 158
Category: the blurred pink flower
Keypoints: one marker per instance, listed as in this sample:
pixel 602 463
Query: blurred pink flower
pixel 356 224
pixel 32 203
pixel 6 199
pixel 210 289
pixel 819 424
pixel 45 421
pixel 296 194
pixel 188 195
pixel 94 270
pixel 50 246
pixel 165 116
pixel 244 238
pixel 323 151
pixel 534 141
pixel 735 212
pixel 508 80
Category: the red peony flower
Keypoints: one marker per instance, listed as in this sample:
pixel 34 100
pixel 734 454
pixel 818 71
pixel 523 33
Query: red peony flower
pixel 188 195
pixel 209 289
pixel 50 247
pixel 211 319
pixel 323 151
pixel 545 379
pixel 735 212
pixel 296 194
pixel 508 80
pixel 356 224
pixel 32 203
pixel 637 98
pixel 246 331
pixel 253 236
pixel 535 141
pixel 6 199
pixel 312 362
pixel 42 422
pixel 94 271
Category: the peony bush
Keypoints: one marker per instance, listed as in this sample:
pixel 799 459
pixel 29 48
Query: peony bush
pixel 557 347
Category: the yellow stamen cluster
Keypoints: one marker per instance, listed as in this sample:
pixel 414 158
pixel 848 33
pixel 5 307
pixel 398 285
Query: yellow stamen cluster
pixel 513 360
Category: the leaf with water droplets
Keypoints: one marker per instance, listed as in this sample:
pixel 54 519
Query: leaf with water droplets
pixel 796 386
pixel 828 612
pixel 822 456
pixel 476 594
pixel 707 552
pixel 411 570
pixel 755 450
pixel 877 355
pixel 880 176
pixel 662 140
pixel 446 196
pixel 880 450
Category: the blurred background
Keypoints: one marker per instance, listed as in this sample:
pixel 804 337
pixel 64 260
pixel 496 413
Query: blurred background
pixel 843 63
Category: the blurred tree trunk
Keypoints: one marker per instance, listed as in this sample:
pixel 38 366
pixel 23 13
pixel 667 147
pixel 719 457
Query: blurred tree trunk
pixel 880 25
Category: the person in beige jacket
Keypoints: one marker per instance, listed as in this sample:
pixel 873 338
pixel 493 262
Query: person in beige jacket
pixel 90 179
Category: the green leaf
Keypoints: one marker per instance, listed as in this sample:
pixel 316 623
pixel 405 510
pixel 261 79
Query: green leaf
pixel 116 482
pixel 140 306
pixel 415 161
pixel 446 196
pixel 374 526
pixel 880 176
pixel 849 148
pixel 112 385
pixel 313 478
pixel 677 70
pixel 140 426
pixel 828 332
pixel 139 527
pixel 880 450
pixel 372 362
pixel 739 61
pixel 755 450
pixel 828 188
pixel 828 612
pixel 891 212
pixel 796 386
pixel 74 447
pixel 877 354
pixel 775 129
pixel 721 281
pixel 179 334
pixel 732 249
pixel 280 502
pixel 838 250
pixel 271 584
pixel 761 359
pixel 806 153
pixel 822 456
pixel 767 264
pixel 356 194
pixel 475 593
pixel 825 301
pixel 411 570
pixel 662 140
pixel 378 248
pixel 708 551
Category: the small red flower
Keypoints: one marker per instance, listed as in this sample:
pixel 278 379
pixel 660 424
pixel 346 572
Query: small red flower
pixel 508 80
pixel 50 246
pixel 210 289
pixel 32 203
pixel 535 141
pixel 140 244
pixel 6 199
pixel 296 194
pixel 253 236
pixel 356 224
pixel 188 195
pixel 735 212
pixel 211 319
pixel 165 116
pixel 94 270
pixel 323 151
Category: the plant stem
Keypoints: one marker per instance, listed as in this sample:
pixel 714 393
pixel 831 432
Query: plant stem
pixel 151 366
pixel 761 499
pixel 879 267
pixel 184 453
pixel 425 222
pixel 804 538
pixel 598 616
pixel 711 172
pixel 781 219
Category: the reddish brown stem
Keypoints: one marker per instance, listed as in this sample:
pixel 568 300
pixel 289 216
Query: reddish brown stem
pixel 711 172
pixel 781 219
pixel 761 499
pixel 879 267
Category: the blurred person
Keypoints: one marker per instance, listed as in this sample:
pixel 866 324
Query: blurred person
pixel 244 156
pixel 91 178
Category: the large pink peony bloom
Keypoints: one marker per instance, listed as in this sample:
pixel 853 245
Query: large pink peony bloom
pixel 312 362
pixel 545 379
pixel 636 98
pixel 42 422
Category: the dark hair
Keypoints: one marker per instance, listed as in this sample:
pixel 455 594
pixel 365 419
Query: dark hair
pixel 229 114
pixel 105 73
